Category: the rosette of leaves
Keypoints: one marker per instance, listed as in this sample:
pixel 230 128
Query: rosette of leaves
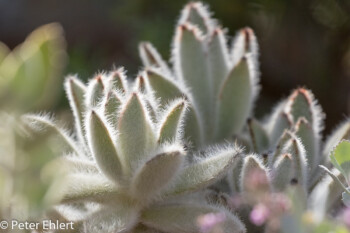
pixel 220 82
pixel 287 151
pixel 128 168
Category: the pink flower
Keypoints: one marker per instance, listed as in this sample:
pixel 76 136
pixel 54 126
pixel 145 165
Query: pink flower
pixel 259 214
pixel 207 222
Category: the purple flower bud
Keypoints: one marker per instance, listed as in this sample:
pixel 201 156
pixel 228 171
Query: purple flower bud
pixel 208 221
pixel 259 214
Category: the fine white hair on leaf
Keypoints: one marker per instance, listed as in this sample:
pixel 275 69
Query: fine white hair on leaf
pixel 44 122
pixel 198 14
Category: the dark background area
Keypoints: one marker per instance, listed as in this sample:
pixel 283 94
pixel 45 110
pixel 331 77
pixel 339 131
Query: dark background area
pixel 302 43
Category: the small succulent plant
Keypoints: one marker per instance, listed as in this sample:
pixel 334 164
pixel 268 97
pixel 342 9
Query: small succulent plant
pixel 147 155
pixel 130 163
pixel 219 82
pixel 284 150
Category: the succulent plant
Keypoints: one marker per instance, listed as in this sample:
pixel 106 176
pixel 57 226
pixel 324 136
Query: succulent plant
pixel 220 83
pixel 128 169
pixel 148 156
pixel 28 78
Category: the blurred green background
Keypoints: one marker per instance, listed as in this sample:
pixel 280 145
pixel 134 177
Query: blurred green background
pixel 302 42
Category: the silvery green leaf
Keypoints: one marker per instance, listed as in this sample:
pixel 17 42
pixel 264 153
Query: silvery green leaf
pixel 234 176
pixel 135 133
pixel 87 187
pixel 197 14
pixel 162 86
pixel 340 133
pixel 43 123
pixel 117 80
pixel 151 58
pixel 326 194
pixel 170 126
pixel 218 58
pixel 302 103
pixel 346 198
pixel 244 43
pixel 303 130
pixel 281 122
pixel 111 107
pixel 190 61
pixel 139 84
pixel 185 218
pixel 340 158
pixel 254 176
pixel 285 137
pixel 206 171
pixel 258 136
pixel 295 147
pixel 76 92
pixel 156 174
pixel 101 142
pixel 192 128
pixel 120 217
pixel 235 101
pixel 95 92
pixel 282 172
pixel 79 165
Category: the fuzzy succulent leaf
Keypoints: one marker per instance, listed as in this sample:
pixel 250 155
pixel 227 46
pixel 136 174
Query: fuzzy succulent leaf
pixel 285 137
pixel 162 87
pixel 111 107
pixel 295 147
pixel 95 93
pixel 151 58
pixel 234 176
pixel 192 128
pixel 156 174
pixel 190 61
pixel 87 187
pixel 42 123
pixel 218 59
pixel 170 125
pixel 197 14
pixel 300 105
pixel 282 172
pixel 281 122
pixel 76 92
pixel 183 218
pixel 258 135
pixel 135 133
pixel 117 80
pixel 244 43
pixel 254 176
pixel 235 100
pixel 103 148
pixel 303 130
pixel 114 218
pixel 205 171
